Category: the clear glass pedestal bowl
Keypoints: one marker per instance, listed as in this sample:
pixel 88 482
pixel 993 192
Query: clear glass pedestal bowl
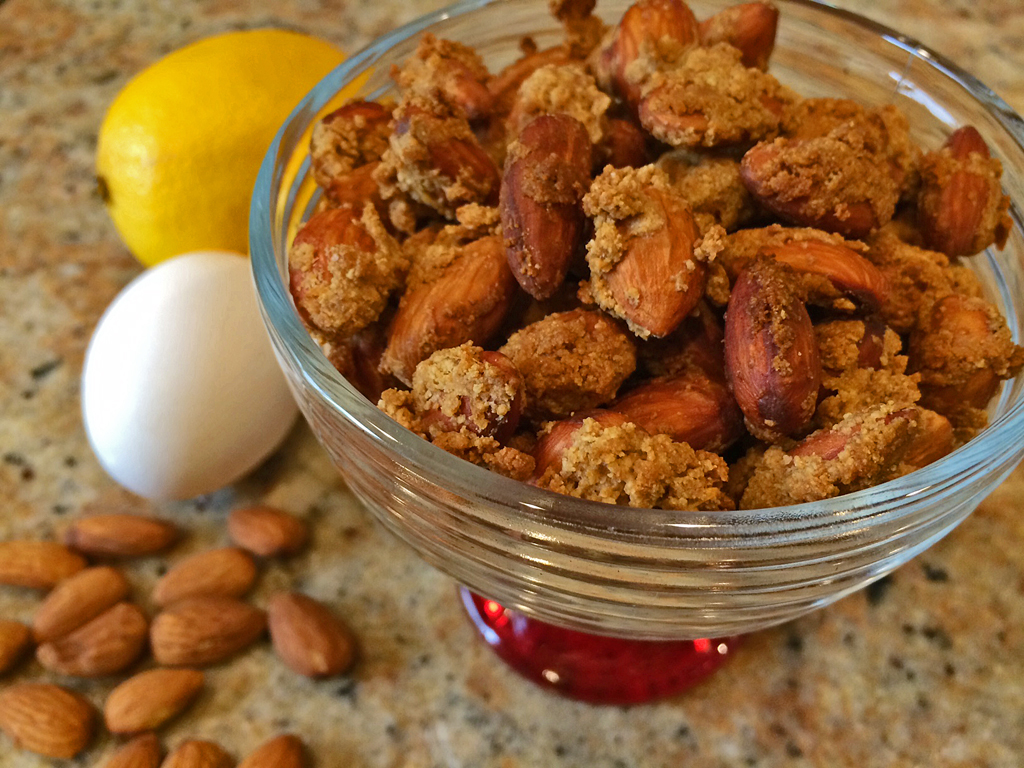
pixel 549 562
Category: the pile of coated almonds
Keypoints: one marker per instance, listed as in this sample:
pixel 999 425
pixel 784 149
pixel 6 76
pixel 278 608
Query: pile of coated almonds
pixel 87 627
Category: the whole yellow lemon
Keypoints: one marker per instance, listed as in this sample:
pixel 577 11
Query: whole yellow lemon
pixel 180 147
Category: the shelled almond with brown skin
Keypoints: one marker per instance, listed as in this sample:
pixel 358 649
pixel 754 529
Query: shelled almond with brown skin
pixel 78 600
pixel 961 206
pixel 46 719
pixel 347 139
pixel 267 531
pixel 468 302
pixel 227 572
pixel 202 631
pixel 141 752
pixel 771 354
pixel 121 535
pixel 15 639
pixel 932 439
pixel 198 754
pixel 553 443
pixel 307 637
pixel 110 643
pixel 547 172
pixel 285 751
pixel 37 564
pixel 151 698
pixel 651 23
pixel 750 27
pixel 689 407
pixel 624 145
pixel 845 269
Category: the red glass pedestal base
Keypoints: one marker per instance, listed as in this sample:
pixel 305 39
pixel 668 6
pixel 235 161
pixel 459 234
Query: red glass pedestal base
pixel 593 668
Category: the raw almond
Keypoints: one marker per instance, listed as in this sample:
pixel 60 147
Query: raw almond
pixel 37 564
pixel 308 637
pixel 228 572
pixel 14 641
pixel 149 699
pixel 110 643
pixel 141 752
pixel 46 719
pixel 285 751
pixel 78 600
pixel 204 630
pixel 198 754
pixel 120 535
pixel 266 531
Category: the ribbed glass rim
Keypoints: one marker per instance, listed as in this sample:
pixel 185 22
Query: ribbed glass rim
pixel 885 503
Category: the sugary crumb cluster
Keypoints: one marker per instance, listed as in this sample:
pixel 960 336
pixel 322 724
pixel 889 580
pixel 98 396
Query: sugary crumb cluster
pixel 635 268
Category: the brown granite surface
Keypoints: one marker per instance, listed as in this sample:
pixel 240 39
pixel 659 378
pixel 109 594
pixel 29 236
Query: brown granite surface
pixel 924 668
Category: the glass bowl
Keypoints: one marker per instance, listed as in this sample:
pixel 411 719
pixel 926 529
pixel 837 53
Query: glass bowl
pixel 640 573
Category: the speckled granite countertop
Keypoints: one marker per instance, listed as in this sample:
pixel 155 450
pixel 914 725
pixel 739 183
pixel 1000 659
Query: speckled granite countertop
pixel 924 668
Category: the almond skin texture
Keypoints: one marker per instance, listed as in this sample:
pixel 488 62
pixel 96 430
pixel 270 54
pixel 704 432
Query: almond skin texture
pixel 546 174
pixel 15 639
pixel 198 754
pixel 141 752
pixel 467 303
pixel 285 751
pixel 308 637
pixel 266 531
pixel 149 699
pixel 204 630
pixel 78 600
pixel 46 719
pixel 120 535
pixel 37 564
pixel 848 271
pixel 750 27
pixel 228 572
pixel 771 353
pixel 110 643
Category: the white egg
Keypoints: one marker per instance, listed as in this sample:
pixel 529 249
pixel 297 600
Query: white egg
pixel 181 392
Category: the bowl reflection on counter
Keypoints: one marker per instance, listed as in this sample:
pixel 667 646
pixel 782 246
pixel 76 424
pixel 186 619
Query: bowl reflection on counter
pixel 647 574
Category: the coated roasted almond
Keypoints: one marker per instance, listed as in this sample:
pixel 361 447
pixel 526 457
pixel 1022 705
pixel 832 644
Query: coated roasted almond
pixel 204 630
pixel 750 27
pixel 285 751
pixel 547 171
pixel 267 531
pixel 46 719
pixel 847 271
pixel 37 564
pixel 308 637
pixel 109 643
pixel 141 752
pixel 198 754
pixel 15 639
pixel 149 699
pixel 78 600
pixel 227 572
pixel 120 535
pixel 771 354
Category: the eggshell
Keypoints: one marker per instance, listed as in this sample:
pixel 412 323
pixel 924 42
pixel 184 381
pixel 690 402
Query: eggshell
pixel 181 392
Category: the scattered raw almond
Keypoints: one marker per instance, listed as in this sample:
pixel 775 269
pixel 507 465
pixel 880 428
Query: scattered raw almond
pixel 110 643
pixel 266 531
pixel 285 751
pixel 78 600
pixel 14 641
pixel 204 630
pixel 120 535
pixel 308 637
pixel 228 572
pixel 37 564
pixel 46 719
pixel 198 754
pixel 141 752
pixel 149 699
